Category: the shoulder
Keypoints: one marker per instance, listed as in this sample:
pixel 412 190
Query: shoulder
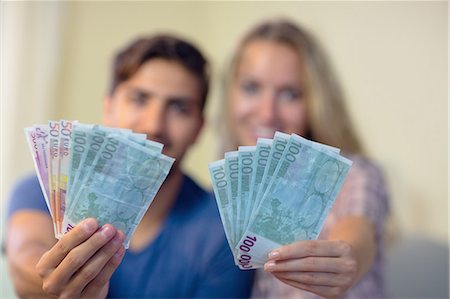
pixel 365 167
pixel 364 191
pixel 26 194
pixel 365 177
pixel 28 184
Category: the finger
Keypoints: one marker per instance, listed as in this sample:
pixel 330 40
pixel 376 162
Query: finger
pixel 95 264
pixel 78 256
pixel 95 286
pixel 323 291
pixel 73 238
pixel 307 248
pixel 307 264
pixel 314 278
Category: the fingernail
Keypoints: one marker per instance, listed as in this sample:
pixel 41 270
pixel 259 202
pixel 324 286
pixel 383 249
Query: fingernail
pixel 269 266
pixel 119 252
pixel 121 236
pixel 118 238
pixel 107 231
pixel 274 254
pixel 90 225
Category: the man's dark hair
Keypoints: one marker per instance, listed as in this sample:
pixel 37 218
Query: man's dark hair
pixel 129 59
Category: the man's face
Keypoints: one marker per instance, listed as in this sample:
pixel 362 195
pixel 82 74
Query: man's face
pixel 162 100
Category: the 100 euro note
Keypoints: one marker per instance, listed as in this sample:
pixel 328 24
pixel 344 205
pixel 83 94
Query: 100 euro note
pixel 219 172
pixel 89 140
pixel 120 185
pixel 262 154
pixel 299 197
pixel 246 155
pixel 232 176
pixel 95 137
pixel 220 183
pixel 78 145
pixel 246 158
pixel 277 149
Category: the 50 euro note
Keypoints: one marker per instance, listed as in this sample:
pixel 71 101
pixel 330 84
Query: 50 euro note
pixel 298 198
pixel 65 136
pixel 53 173
pixel 120 186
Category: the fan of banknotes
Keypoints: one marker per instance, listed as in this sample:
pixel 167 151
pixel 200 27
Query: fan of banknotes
pixel 95 171
pixel 275 193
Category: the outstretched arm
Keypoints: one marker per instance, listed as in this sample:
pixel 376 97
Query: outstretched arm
pixel 29 236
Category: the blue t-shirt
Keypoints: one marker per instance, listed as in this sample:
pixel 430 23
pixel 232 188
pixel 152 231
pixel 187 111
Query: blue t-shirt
pixel 189 258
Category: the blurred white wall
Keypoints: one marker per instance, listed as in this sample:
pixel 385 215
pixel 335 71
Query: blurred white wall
pixel 392 59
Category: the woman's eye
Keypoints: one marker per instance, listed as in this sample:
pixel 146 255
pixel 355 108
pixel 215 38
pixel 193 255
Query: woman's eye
pixel 249 88
pixel 290 94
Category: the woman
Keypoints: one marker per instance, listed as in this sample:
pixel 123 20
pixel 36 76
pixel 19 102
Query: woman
pixel 279 80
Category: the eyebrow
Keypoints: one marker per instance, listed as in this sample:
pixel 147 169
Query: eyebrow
pixel 245 74
pixel 171 98
pixel 187 100
pixel 297 86
pixel 137 90
pixel 251 77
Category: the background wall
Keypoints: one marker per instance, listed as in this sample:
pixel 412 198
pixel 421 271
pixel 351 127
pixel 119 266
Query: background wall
pixel 392 59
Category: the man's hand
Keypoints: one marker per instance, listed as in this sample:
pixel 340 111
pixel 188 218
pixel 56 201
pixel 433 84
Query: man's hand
pixel 81 263
pixel 326 268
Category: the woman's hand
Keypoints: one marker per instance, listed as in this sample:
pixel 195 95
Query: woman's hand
pixel 326 268
pixel 81 263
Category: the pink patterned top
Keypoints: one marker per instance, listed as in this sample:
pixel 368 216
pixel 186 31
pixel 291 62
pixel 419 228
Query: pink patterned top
pixel 363 194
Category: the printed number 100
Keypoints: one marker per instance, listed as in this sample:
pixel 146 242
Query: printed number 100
pixel 244 259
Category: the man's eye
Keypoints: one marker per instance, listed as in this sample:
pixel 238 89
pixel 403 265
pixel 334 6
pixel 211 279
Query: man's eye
pixel 179 107
pixel 139 99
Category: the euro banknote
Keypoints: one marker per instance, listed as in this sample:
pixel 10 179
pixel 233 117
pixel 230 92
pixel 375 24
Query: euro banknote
pixel 95 171
pixel 293 185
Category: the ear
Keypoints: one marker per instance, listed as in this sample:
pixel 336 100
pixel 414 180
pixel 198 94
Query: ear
pixel 108 110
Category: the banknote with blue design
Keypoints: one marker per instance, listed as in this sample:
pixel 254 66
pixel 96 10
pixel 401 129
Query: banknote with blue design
pixel 95 171
pixel 285 196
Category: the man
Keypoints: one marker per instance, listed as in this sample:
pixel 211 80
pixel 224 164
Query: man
pixel 159 87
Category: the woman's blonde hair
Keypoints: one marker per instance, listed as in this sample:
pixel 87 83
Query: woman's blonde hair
pixel 328 120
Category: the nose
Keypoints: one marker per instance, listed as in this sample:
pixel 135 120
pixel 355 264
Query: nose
pixel 267 108
pixel 154 119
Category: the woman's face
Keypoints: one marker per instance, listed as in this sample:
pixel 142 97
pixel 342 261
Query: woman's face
pixel 267 92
